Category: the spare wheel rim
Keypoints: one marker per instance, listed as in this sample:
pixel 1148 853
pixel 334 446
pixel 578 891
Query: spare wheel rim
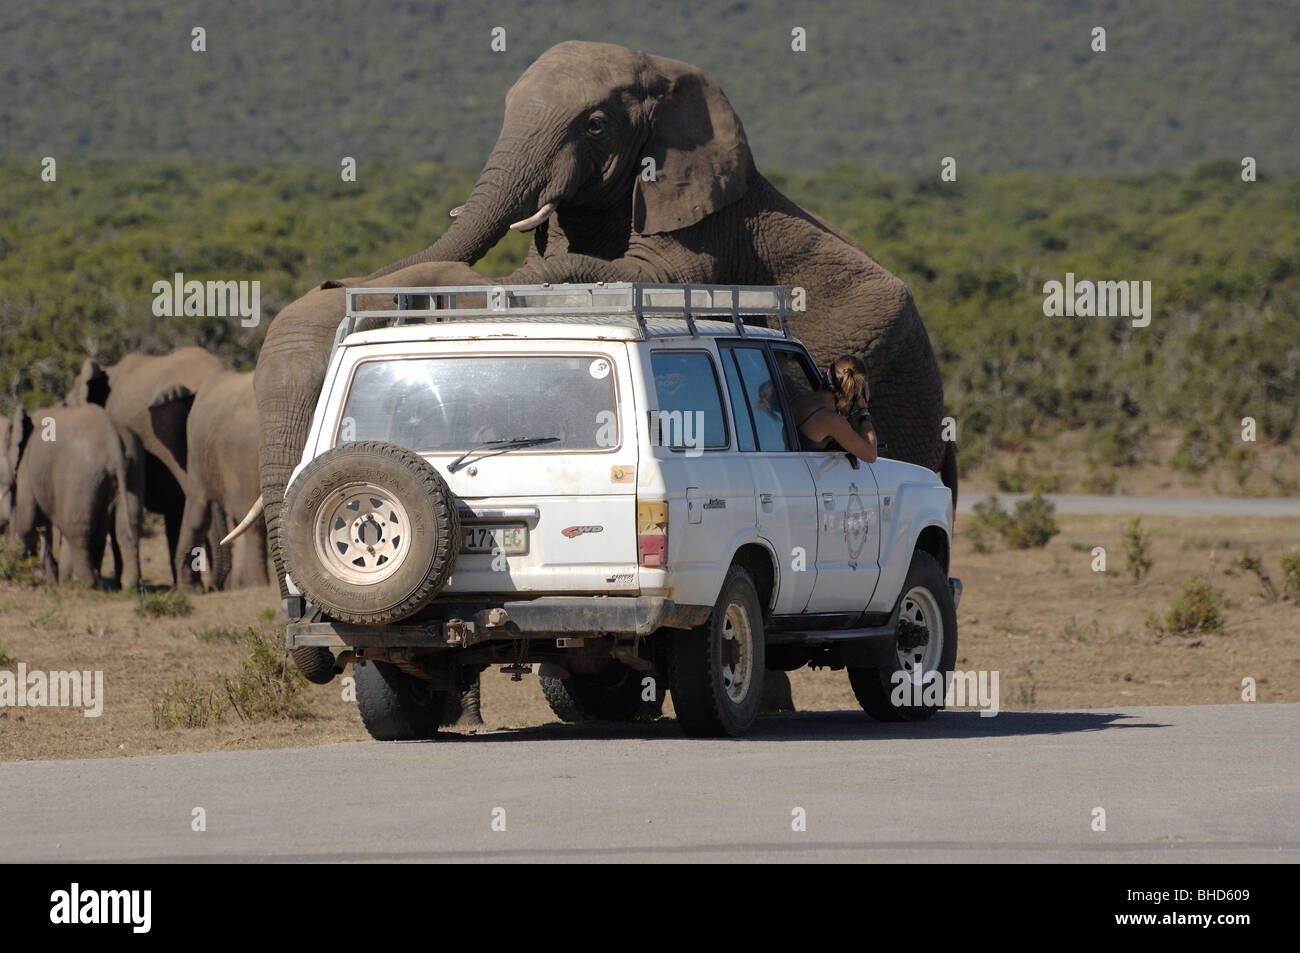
pixel 362 533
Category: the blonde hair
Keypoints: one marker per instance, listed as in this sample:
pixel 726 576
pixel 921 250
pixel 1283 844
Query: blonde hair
pixel 849 378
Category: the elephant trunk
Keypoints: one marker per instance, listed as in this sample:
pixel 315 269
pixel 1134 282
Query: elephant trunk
pixel 287 383
pixel 504 194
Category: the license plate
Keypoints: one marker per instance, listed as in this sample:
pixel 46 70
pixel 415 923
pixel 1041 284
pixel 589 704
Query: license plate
pixel 506 538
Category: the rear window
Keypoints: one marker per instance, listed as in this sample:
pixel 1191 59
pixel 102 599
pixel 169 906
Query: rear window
pixel 446 404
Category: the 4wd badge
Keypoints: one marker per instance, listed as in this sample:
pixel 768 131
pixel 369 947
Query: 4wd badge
pixel 572 531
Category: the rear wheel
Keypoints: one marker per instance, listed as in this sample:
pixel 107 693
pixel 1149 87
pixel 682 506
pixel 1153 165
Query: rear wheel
pixel 716 670
pixel 912 686
pixel 395 705
pixel 607 696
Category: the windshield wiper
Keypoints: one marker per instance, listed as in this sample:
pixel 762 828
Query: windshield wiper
pixel 499 446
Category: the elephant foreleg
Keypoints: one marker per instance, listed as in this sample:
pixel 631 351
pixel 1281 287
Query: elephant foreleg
pixel 189 537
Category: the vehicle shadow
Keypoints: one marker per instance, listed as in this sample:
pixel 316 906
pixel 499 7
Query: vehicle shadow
pixel 834 726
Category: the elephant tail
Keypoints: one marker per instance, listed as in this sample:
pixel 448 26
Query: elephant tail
pixel 948 469
pixel 246 522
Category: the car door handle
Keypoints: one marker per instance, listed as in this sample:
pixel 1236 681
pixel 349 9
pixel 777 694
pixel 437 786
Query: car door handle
pixel 765 499
pixel 828 498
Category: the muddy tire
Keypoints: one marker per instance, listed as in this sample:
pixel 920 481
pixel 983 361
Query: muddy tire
pixel 716 670
pixel 395 705
pixel 615 696
pixel 925 652
pixel 371 532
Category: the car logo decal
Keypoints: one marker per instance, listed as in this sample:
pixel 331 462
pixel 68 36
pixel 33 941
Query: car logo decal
pixel 856 526
pixel 572 531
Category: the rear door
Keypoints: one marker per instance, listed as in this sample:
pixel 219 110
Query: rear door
pixel 848 508
pixel 551 518
pixel 784 509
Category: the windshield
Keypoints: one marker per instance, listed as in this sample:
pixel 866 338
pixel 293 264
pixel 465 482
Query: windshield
pixel 447 404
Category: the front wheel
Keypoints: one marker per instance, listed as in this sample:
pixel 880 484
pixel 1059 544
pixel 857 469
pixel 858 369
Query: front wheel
pixel 716 670
pixel 912 686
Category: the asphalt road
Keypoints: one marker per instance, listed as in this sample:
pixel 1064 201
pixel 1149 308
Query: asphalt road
pixel 1152 505
pixel 1211 783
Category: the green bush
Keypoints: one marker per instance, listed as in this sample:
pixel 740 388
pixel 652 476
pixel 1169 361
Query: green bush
pixel 267 686
pixel 1030 526
pixel 1137 550
pixel 1198 608
pixel 1291 574
pixel 167 603
pixel 187 703
pixel 1249 561
pixel 14 566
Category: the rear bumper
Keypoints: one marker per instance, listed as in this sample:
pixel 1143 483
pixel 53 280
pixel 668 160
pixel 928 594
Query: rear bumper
pixel 465 624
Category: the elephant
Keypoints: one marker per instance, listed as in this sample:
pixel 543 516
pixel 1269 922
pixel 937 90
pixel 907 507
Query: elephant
pixel 581 125
pixel 632 167
pixel 127 390
pixel 66 473
pixel 221 480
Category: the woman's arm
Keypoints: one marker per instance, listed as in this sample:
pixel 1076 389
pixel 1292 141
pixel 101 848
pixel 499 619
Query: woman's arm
pixel 828 423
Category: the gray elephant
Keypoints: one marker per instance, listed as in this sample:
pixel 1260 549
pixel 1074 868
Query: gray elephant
pixel 579 125
pixel 633 167
pixel 65 471
pixel 127 390
pixel 221 479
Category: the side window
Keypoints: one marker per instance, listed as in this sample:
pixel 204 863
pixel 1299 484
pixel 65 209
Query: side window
pixel 690 411
pixel 797 373
pixel 761 396
pixel 799 377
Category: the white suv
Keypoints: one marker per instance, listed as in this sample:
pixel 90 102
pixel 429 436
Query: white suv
pixel 606 480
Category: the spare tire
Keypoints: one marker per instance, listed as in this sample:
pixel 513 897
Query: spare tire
pixel 371 532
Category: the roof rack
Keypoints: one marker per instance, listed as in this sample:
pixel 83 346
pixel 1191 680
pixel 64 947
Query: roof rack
pixel 634 301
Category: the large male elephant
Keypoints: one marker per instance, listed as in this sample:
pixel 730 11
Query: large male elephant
pixel 580 125
pixel 221 479
pixel 65 471
pixel 633 167
pixel 127 390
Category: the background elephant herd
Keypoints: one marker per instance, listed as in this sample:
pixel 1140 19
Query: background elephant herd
pixel 174 435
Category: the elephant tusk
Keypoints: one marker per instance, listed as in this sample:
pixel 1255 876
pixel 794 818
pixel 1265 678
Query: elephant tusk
pixel 247 521
pixel 541 215
pixel 456 211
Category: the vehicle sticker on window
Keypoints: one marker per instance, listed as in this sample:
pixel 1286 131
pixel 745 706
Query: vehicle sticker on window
pixel 599 368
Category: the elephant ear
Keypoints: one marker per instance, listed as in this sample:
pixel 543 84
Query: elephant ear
pixel 702 158
pixel 20 429
pixel 169 412
pixel 90 387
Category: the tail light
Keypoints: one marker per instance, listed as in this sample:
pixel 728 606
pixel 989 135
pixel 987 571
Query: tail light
pixel 652 533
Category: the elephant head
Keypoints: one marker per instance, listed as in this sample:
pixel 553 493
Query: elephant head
pixel 606 140
pixel 14 434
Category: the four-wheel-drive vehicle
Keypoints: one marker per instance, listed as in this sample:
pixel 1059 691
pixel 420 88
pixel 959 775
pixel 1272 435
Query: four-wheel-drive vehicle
pixel 606 480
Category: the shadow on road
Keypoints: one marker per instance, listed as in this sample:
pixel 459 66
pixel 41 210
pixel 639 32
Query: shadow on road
pixel 834 726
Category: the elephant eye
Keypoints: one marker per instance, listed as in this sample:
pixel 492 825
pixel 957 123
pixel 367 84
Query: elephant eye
pixel 595 124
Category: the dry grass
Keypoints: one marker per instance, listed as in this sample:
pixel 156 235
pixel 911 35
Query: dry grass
pixel 1061 635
